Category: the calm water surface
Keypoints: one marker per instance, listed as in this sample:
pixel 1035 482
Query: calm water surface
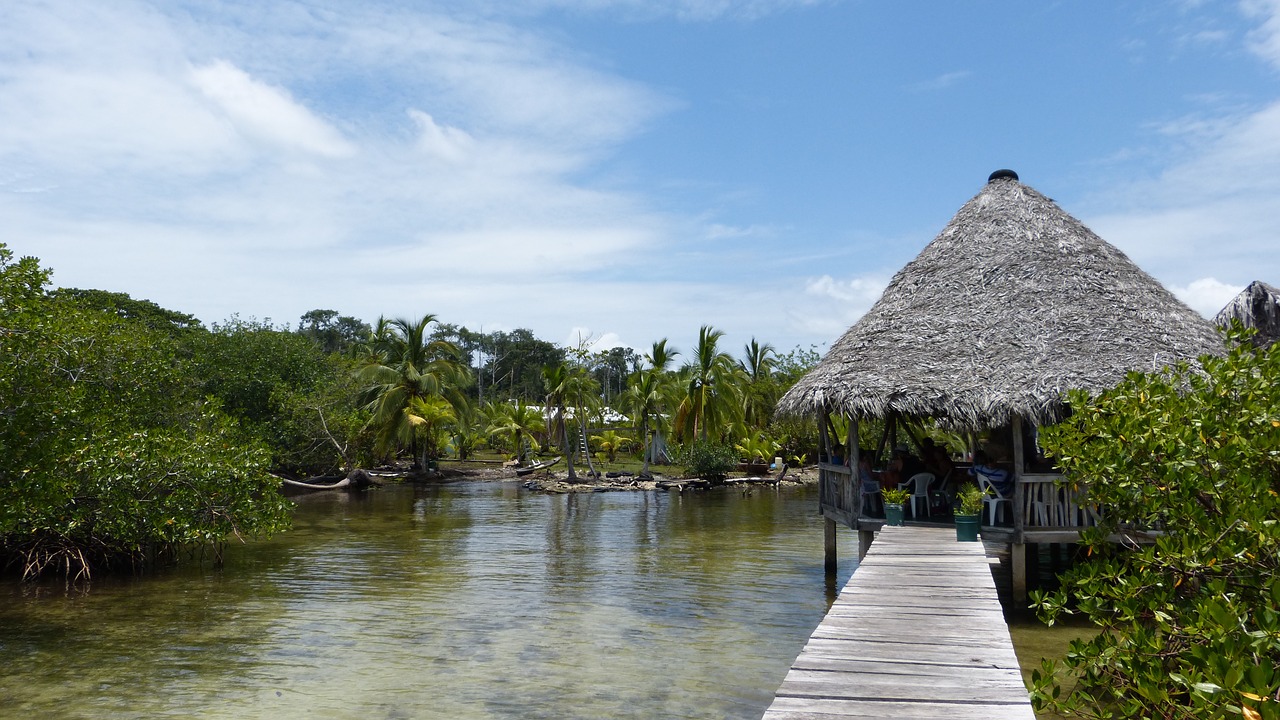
pixel 470 600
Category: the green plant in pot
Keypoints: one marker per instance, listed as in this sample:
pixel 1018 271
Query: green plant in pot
pixel 969 517
pixel 894 499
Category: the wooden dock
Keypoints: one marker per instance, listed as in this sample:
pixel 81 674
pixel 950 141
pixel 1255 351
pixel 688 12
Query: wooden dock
pixel 916 633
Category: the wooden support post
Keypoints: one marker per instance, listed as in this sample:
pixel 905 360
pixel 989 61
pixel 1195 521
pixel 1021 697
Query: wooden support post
pixel 865 538
pixel 855 457
pixel 1018 559
pixel 1019 490
pixel 829 543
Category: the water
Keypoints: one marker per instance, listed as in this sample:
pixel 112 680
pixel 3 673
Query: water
pixel 470 600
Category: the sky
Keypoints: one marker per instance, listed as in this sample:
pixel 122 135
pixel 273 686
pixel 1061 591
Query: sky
pixel 619 171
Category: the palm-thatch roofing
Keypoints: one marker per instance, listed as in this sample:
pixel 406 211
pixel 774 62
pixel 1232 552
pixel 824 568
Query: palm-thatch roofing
pixel 1011 305
pixel 1257 306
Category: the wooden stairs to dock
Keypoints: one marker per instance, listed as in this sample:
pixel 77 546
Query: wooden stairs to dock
pixel 916 633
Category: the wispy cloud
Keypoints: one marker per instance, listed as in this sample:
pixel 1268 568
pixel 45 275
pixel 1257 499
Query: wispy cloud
pixel 267 113
pixel 688 10
pixel 942 81
pixel 1207 295
pixel 239 163
pixel 1215 204
pixel 832 305
pixel 1264 40
pixel 717 231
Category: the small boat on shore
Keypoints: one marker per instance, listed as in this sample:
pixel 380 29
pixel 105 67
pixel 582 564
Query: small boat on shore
pixel 521 472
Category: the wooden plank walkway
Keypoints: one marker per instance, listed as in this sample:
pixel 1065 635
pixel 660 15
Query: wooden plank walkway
pixel 916 633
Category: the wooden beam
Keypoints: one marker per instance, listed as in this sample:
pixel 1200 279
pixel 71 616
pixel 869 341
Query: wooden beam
pixel 1019 492
pixel 1018 563
pixel 829 542
pixel 865 538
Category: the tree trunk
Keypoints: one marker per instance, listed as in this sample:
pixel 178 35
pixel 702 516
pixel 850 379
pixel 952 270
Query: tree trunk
pixel 355 480
pixel 644 436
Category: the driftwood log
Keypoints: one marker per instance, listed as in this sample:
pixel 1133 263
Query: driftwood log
pixel 355 480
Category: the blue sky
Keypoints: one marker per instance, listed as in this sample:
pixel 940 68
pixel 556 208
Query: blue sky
pixel 619 169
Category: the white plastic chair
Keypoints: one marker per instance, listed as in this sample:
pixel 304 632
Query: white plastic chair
pixel 991 498
pixel 872 502
pixel 919 486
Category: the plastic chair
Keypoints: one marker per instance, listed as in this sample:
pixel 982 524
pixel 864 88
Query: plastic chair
pixel 919 486
pixel 991 498
pixel 872 501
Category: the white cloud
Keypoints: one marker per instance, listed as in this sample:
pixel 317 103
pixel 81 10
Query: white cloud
pixel 267 113
pixel 831 306
pixel 858 290
pixel 1264 41
pixel 223 164
pixel 446 143
pixel 1206 295
pixel 688 10
pixel 1213 212
pixel 717 231
pixel 942 81
pixel 584 338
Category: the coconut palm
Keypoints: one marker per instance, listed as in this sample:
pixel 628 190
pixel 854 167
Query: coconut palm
pixel 469 430
pixel 711 397
pixel 518 422
pixel 408 377
pixel 661 356
pixel 555 378
pixel 611 443
pixel 649 396
pixel 584 392
pixel 760 392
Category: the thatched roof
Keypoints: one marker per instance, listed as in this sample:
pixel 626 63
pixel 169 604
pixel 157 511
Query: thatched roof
pixel 1012 304
pixel 1257 306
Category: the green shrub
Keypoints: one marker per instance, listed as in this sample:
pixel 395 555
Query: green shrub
pixel 1185 465
pixel 708 460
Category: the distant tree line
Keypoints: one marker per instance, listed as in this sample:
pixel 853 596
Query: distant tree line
pixel 130 432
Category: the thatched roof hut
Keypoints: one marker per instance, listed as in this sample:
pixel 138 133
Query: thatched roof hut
pixel 1257 306
pixel 1013 303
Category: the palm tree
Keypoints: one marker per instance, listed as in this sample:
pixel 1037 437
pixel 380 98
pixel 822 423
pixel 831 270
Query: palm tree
pixel 409 376
pixel 649 395
pixel 584 392
pixel 469 431
pixel 519 422
pixel 760 394
pixel 661 356
pixel 555 378
pixel 711 396
pixel 611 443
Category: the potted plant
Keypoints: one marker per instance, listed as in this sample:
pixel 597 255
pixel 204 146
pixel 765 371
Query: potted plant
pixel 894 498
pixel 968 518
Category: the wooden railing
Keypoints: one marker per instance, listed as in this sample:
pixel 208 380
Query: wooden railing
pixel 1044 501
pixel 838 495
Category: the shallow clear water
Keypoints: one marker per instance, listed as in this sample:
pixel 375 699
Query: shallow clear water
pixel 470 600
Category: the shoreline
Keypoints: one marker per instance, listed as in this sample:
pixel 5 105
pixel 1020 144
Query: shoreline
pixel 550 481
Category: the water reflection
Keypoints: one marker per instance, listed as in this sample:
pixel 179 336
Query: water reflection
pixel 461 601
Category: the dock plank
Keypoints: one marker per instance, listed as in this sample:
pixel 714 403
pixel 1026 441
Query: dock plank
pixel 916 633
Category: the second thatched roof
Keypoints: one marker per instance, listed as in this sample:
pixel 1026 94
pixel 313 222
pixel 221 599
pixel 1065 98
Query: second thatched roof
pixel 1258 307
pixel 1012 304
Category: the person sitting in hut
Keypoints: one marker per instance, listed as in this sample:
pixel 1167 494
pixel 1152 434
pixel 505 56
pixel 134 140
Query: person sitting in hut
pixel 935 458
pixel 836 457
pixel 1000 478
pixel 870 483
pixel 902 467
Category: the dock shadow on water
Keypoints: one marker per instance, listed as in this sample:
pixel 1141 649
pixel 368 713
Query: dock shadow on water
pixel 469 600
